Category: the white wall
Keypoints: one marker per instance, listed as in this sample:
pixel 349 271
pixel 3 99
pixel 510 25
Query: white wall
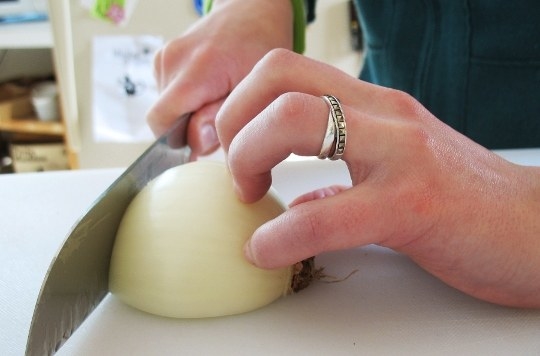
pixel 74 31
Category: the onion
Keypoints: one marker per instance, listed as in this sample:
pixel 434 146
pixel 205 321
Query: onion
pixel 178 251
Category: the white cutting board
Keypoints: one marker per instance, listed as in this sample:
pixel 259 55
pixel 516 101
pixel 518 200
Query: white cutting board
pixel 389 306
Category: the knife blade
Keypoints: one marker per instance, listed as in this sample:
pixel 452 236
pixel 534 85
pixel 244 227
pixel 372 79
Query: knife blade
pixel 78 277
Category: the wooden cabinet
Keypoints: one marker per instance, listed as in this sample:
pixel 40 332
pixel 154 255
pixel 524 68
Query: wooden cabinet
pixel 30 42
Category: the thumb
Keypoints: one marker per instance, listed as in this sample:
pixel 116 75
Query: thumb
pixel 309 228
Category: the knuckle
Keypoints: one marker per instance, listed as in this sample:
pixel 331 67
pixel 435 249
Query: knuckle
pixel 417 136
pixel 235 159
pixel 404 103
pixel 313 232
pixel 289 105
pixel 276 57
pixel 219 122
pixel 275 66
pixel 167 54
pixel 157 62
pixel 175 52
pixel 204 53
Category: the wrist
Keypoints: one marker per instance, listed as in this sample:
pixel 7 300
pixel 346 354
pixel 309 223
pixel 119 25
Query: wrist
pixel 298 16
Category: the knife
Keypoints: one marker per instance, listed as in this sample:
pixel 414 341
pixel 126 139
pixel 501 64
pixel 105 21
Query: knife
pixel 78 277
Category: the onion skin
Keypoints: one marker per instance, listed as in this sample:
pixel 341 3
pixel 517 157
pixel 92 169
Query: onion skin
pixel 179 248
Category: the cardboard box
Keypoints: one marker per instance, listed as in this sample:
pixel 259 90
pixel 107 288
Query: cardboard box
pixel 15 103
pixel 39 157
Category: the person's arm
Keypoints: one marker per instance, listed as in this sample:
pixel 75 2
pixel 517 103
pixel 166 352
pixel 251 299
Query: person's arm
pixel 196 71
pixel 460 211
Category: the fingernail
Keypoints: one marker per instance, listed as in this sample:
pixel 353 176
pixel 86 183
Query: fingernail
pixel 208 137
pixel 248 253
pixel 239 193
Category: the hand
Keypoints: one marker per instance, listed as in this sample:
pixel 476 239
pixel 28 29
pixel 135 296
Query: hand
pixel 196 71
pixel 460 211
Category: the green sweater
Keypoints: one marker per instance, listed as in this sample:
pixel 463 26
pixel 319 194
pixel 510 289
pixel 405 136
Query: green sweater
pixel 475 64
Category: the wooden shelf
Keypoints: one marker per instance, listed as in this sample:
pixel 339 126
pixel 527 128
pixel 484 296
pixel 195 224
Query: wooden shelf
pixel 33 126
pixel 18 116
pixel 18 120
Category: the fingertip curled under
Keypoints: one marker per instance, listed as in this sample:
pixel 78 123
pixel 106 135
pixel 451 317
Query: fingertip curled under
pixel 239 193
pixel 248 253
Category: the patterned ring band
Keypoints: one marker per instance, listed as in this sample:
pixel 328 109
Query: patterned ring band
pixel 329 142
pixel 335 137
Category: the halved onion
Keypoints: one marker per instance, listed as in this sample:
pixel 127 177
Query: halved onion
pixel 178 251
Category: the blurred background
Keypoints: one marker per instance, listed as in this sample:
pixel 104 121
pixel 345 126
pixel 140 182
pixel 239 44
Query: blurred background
pixel 76 79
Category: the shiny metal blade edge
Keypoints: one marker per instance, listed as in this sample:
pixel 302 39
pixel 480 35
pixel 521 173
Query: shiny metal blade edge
pixel 78 277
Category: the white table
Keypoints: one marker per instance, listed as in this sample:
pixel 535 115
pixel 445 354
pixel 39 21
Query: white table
pixel 390 306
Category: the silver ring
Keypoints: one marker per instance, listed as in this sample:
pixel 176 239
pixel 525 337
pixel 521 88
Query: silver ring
pixel 335 139
pixel 329 141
